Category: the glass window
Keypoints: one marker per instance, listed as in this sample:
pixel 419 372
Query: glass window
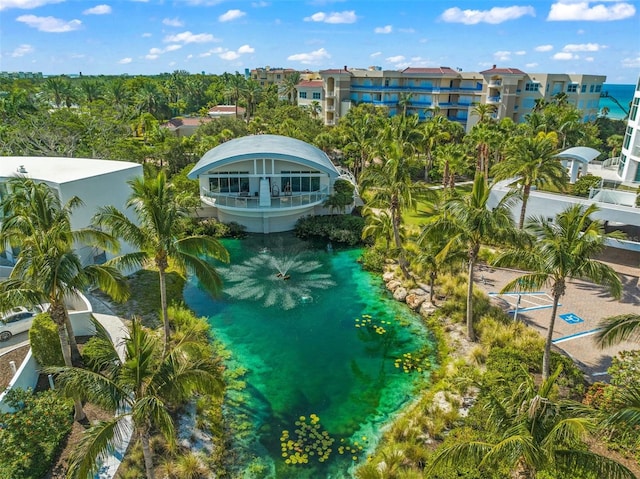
pixel 316 95
pixel 598 88
pixel 573 88
pixel 583 89
pixel 591 88
pixel 627 138
pixel 303 94
pixel 634 109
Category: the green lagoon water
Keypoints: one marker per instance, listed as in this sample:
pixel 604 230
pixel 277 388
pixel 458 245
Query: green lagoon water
pixel 295 333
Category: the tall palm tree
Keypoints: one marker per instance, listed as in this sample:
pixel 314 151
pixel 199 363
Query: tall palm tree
pixel 562 250
pixel 453 160
pixel 157 237
pixel 48 269
pixel 378 225
pixel 289 87
pixel 532 160
pixel 234 86
pixel 535 433
pixel 390 187
pixel 484 112
pixel 434 133
pixel 404 101
pixel 140 388
pixel 467 222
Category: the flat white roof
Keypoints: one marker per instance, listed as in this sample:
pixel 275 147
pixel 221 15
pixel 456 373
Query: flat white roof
pixel 59 170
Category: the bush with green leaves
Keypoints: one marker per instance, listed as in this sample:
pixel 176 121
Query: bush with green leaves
pixel 373 260
pixel 583 185
pixel 31 437
pixel 345 229
pixel 45 341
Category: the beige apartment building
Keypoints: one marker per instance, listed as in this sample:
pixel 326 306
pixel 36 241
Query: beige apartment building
pixel 453 93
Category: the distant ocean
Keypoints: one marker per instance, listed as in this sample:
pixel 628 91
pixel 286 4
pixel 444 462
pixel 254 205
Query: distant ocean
pixel 622 93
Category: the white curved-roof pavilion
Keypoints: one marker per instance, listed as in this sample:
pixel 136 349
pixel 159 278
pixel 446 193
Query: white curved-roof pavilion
pixel 577 158
pixel 265 146
pixel 264 182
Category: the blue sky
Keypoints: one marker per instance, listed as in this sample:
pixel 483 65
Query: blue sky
pixel 154 36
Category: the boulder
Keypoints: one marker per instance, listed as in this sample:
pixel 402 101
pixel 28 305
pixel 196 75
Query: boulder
pixel 400 294
pixel 393 285
pixel 427 308
pixel 414 300
pixel 388 276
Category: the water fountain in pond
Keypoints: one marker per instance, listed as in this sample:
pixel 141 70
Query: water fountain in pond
pixel 276 279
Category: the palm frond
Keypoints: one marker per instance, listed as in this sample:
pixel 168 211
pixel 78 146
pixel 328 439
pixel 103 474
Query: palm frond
pixel 615 329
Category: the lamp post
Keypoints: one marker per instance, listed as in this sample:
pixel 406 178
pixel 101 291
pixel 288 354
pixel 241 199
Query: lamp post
pixel 515 314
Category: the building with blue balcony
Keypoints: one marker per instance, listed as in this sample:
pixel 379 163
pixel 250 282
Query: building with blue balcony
pixel 454 93
pixel 264 182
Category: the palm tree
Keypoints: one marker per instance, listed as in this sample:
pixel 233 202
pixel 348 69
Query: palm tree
pixel 48 269
pixel 315 108
pixel 468 222
pixel 390 187
pixel 434 133
pixel 157 238
pixel 453 161
pixel 617 329
pixel 234 87
pixel 378 225
pixel 289 88
pixel 140 388
pixel 532 160
pixel 535 433
pixel 484 112
pixel 404 101
pixel 562 249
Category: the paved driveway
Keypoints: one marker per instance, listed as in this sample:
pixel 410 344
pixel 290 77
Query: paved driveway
pixel 583 305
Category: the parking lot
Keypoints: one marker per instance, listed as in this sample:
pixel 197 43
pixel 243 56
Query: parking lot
pixel 582 307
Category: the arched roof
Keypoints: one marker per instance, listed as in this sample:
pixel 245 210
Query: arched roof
pixel 580 153
pixel 264 146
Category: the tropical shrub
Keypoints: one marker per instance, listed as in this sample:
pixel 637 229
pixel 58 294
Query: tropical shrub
pixel 583 185
pixel 45 341
pixel 373 260
pixel 345 229
pixel 31 438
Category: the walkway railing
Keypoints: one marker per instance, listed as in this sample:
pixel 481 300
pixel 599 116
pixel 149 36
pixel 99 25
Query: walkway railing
pixel 235 200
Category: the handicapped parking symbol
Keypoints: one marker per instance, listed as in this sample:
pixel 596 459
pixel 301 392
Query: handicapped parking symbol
pixel 572 318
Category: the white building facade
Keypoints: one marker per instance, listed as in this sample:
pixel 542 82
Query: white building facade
pixel 96 182
pixel 264 182
pixel 629 165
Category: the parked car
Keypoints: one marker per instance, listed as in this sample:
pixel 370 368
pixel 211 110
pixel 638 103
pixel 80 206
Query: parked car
pixel 17 320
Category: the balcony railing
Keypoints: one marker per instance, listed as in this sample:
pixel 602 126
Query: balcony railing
pixel 493 99
pixel 426 89
pixel 330 94
pixel 235 200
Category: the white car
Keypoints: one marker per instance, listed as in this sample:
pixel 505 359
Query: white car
pixel 17 320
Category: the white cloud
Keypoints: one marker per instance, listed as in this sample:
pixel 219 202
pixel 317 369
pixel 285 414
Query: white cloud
pixel 151 56
pixel 502 55
pixel 173 47
pixel 396 59
pixel 146 35
pixel 520 53
pixel 543 48
pixel 376 54
pixel 531 65
pixel 384 30
pixel 260 4
pixel 213 51
pixel 589 59
pixel 124 61
pixel 494 16
pixel 565 56
pixel 188 37
pixel 98 10
pixel 583 47
pixel 22 50
pixel 310 58
pixel 25 4
pixel 348 16
pixel 173 22
pixel 203 3
pixel 50 24
pixel 231 15
pixel 230 55
pixel 155 51
pixel 631 62
pixel 564 10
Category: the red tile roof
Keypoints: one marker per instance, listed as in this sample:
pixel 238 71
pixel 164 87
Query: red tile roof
pixel 431 71
pixel 186 121
pixel 503 71
pixel 226 110
pixel 310 84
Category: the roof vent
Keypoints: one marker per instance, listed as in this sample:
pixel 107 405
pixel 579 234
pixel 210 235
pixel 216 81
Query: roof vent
pixel 22 169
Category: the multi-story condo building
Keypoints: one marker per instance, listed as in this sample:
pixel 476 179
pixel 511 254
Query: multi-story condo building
pixel 453 93
pixel 629 165
pixel 309 91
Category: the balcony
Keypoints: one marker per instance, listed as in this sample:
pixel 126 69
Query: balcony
pixel 330 108
pixel 493 99
pixel 330 94
pixel 242 202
